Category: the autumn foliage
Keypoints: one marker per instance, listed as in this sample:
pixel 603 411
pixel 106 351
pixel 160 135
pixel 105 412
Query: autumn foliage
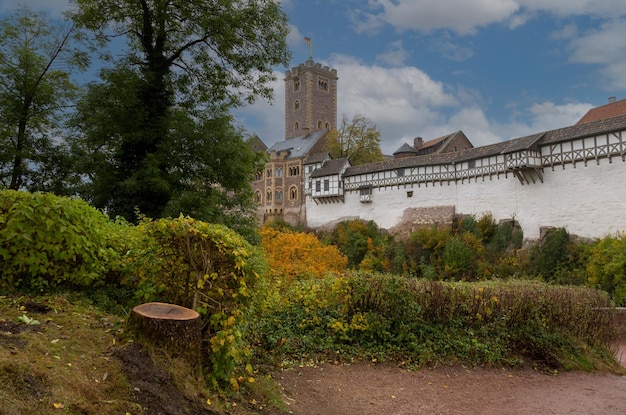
pixel 291 255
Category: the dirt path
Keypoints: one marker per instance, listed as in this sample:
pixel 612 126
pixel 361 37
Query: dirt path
pixel 367 389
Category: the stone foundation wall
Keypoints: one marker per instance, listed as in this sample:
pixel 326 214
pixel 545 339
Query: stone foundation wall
pixel 419 217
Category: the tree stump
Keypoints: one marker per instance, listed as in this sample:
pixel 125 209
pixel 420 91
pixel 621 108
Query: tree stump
pixel 170 327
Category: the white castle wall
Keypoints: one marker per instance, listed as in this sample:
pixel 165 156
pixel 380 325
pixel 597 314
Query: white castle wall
pixel 589 201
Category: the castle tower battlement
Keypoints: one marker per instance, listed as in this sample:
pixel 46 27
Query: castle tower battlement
pixel 310 99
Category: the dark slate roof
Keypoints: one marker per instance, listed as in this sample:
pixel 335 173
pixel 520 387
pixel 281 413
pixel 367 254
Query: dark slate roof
pixel 298 146
pixel 522 143
pixel 503 147
pixel 406 148
pixel 316 158
pixel 609 110
pixel 585 130
pixel 331 167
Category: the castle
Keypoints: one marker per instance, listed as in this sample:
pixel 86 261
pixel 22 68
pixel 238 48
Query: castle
pixel 572 177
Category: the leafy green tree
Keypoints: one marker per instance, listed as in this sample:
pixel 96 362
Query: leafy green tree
pixel 357 139
pixel 209 163
pixel 36 58
pixel 187 63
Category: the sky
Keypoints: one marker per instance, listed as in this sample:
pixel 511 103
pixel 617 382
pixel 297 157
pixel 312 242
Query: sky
pixel 495 69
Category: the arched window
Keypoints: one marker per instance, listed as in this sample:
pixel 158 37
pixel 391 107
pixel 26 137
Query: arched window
pixel 328 126
pixel 257 196
pixel 296 105
pixel 319 125
pixel 268 195
pixel 296 126
pixel 293 193
pixel 278 196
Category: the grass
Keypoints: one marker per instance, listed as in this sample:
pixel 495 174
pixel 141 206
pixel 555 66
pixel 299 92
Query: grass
pixel 66 361
pixel 62 362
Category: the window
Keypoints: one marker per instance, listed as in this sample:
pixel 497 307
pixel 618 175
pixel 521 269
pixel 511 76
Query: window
pixel 409 193
pixel 296 105
pixel 293 193
pixel 257 196
pixel 296 126
pixel 268 196
pixel 326 185
pixel 294 171
pixel 471 164
pixel 268 173
pixel 278 196
pixel 279 172
pixel 296 84
pixel 322 83
pixel 319 125
pixel 318 186
pixel 258 176
pixel 365 195
pixel 328 126
pixel 400 172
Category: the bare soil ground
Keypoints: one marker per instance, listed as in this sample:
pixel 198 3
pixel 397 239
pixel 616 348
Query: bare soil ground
pixel 372 389
pixel 369 389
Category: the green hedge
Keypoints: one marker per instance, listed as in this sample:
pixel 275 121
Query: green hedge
pixel 47 241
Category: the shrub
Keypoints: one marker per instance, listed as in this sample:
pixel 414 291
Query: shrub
pixel 428 322
pixel 355 239
pixel 48 241
pixel 425 248
pixel 506 237
pixel 607 267
pixel 294 255
pixel 461 256
pixel 206 267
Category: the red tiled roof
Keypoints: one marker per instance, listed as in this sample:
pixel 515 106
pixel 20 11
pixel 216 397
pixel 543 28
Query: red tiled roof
pixel 611 110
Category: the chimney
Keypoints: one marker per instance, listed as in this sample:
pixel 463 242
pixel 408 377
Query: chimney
pixel 611 100
pixel 418 142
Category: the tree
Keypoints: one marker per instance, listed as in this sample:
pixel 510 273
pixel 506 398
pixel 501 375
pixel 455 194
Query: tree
pixel 36 58
pixel 187 63
pixel 209 163
pixel 357 139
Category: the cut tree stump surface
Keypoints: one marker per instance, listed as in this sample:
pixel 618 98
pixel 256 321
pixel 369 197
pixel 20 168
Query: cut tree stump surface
pixel 170 327
pixel 166 311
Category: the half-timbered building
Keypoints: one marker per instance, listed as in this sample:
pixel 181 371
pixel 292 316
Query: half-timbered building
pixel 571 177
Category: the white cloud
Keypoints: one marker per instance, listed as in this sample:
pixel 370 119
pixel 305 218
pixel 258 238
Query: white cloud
pixel 465 17
pixel 549 116
pixel 460 16
pixel 451 50
pixel 400 101
pixel 569 31
pixel 295 39
pixel 564 8
pixel 604 46
pixel 395 54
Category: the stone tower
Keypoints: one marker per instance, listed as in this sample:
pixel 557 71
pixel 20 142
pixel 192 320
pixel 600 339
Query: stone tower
pixel 310 99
